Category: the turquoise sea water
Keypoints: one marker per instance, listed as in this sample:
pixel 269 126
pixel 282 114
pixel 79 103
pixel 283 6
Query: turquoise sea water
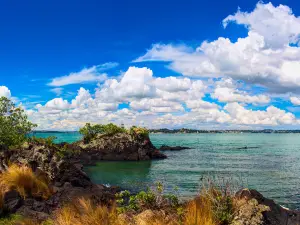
pixel 270 164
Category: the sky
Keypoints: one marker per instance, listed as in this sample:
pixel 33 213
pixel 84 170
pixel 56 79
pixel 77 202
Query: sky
pixel 160 64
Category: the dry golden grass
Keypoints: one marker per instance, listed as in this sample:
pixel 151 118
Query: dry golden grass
pixel 24 181
pixel 26 222
pixel 83 212
pixel 199 211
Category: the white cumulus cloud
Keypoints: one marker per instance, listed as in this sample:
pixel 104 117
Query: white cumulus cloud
pixel 295 100
pixel 265 56
pixel 86 75
pixel 4 92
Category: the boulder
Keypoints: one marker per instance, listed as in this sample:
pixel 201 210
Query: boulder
pixel 276 214
pixel 119 147
pixel 12 201
pixel 172 148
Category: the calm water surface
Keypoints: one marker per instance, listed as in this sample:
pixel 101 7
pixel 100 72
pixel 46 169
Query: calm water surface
pixel 270 164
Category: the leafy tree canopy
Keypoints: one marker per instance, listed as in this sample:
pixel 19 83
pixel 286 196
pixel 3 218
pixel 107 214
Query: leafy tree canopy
pixel 89 131
pixel 14 124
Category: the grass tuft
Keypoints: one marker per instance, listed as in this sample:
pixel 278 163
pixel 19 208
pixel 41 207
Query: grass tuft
pixel 199 211
pixel 24 181
pixel 84 212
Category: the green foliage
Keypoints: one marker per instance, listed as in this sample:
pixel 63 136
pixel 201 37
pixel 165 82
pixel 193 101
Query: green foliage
pixel 140 201
pixel 14 124
pixel 139 132
pixel 10 220
pixel 49 141
pixel 62 151
pixel 150 199
pixel 112 129
pixel 221 198
pixel 89 131
pixel 223 209
pixel 66 151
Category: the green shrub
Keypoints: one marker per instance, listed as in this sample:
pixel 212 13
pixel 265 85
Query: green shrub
pixel 66 151
pixel 89 131
pixel 10 220
pixel 48 141
pixel 221 199
pixel 139 132
pixel 150 199
pixel 14 124
pixel 112 129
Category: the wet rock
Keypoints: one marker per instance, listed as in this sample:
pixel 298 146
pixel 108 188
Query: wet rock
pixel 158 155
pixel 247 147
pixel 172 148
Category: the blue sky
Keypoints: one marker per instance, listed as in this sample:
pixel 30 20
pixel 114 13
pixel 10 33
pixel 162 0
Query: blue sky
pixel 41 42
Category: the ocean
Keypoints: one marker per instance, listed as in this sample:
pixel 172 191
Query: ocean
pixel 269 163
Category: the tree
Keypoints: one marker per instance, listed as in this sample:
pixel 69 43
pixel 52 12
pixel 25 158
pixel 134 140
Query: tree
pixel 89 131
pixel 14 124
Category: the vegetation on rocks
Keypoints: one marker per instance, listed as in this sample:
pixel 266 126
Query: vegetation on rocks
pixel 150 199
pixel 14 124
pixel 24 181
pixel 138 132
pixel 155 208
pixel 90 132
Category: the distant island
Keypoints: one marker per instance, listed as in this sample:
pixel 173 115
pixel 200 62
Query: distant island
pixel 193 131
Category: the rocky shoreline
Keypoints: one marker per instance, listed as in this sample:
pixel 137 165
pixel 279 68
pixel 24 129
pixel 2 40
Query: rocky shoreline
pixel 63 165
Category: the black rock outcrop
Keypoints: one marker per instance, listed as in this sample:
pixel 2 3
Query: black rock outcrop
pixel 172 148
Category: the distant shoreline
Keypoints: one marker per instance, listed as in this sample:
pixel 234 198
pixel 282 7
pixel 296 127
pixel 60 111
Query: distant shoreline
pixel 192 131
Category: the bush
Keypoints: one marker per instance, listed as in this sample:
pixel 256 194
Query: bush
pixel 139 132
pixel 24 181
pixel 48 141
pixel 112 129
pixel 14 124
pixel 89 131
pixel 150 199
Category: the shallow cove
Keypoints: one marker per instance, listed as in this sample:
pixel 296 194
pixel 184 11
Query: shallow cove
pixel 266 162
